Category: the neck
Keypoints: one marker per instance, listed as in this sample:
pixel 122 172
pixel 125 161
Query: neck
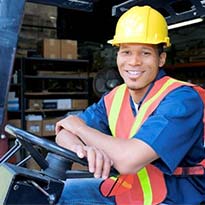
pixel 138 94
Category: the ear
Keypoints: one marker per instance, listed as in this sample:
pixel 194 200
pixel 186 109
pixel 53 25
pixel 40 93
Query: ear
pixel 162 59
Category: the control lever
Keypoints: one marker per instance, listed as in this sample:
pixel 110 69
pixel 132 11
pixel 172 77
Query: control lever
pixel 51 197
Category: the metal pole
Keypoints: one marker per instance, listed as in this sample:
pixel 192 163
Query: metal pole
pixel 11 15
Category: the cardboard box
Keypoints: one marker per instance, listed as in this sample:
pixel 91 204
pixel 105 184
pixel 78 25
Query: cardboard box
pixel 48 128
pixel 79 103
pixel 34 127
pixel 16 123
pixel 50 104
pixel 64 104
pixel 35 104
pixel 69 49
pixel 50 48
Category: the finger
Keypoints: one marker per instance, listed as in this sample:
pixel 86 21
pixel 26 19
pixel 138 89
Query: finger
pixel 106 167
pixel 91 159
pixel 99 163
pixel 58 127
pixel 80 151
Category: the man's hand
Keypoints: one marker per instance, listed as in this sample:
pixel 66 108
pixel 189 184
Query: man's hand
pixel 67 139
pixel 70 123
pixel 98 162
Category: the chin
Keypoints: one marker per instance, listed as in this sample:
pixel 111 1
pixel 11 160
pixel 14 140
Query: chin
pixel 133 87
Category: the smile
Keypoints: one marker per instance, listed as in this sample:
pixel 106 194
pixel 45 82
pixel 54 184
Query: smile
pixel 134 73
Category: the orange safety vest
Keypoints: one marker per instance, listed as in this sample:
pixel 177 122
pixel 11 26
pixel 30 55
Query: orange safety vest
pixel 147 186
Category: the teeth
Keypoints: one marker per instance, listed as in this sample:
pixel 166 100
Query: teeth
pixel 134 72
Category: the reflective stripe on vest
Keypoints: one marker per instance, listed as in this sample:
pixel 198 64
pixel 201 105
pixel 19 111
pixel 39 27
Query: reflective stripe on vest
pixel 119 99
pixel 115 110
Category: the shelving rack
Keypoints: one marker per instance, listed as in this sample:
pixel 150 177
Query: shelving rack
pixel 38 78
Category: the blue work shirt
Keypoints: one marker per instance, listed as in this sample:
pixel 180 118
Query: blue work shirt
pixel 175 133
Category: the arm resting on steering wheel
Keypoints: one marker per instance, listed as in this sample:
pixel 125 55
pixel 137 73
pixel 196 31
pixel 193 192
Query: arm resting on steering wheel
pixel 68 140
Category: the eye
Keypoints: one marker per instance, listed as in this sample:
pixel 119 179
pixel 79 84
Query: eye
pixel 146 53
pixel 125 52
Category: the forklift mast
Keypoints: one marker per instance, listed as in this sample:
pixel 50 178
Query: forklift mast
pixel 11 13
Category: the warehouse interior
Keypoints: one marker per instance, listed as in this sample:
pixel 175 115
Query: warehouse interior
pixel 55 61
pixel 87 26
pixel 59 62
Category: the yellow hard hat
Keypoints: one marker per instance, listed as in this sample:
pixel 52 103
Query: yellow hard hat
pixel 141 24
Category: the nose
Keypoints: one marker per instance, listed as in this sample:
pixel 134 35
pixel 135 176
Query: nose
pixel 135 60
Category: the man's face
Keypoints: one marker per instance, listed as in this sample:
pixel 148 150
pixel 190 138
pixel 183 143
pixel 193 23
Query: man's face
pixel 138 64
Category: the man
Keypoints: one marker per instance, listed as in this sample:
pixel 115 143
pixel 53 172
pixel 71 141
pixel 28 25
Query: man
pixel 150 129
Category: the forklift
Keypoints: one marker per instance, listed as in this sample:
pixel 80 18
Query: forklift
pixel 19 184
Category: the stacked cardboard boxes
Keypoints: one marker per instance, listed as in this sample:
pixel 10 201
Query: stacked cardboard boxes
pixel 57 48
pixel 49 48
pixel 34 126
pixel 48 126
pixel 79 103
pixel 68 49
pixel 60 104
pixel 42 128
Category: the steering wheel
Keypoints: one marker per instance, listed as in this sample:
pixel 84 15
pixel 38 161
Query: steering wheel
pixel 28 140
pixel 53 168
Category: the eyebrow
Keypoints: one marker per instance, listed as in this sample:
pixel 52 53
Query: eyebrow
pixel 143 47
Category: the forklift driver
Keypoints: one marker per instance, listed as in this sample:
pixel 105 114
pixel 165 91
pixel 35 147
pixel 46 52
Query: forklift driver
pixel 150 129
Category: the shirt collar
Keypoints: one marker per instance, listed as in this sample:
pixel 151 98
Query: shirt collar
pixel 160 74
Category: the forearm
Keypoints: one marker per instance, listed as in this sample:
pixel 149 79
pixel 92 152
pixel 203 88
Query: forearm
pixel 127 155
pixel 67 139
pixel 98 162
pixel 119 150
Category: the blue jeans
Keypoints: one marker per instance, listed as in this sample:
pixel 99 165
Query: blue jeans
pixel 84 191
